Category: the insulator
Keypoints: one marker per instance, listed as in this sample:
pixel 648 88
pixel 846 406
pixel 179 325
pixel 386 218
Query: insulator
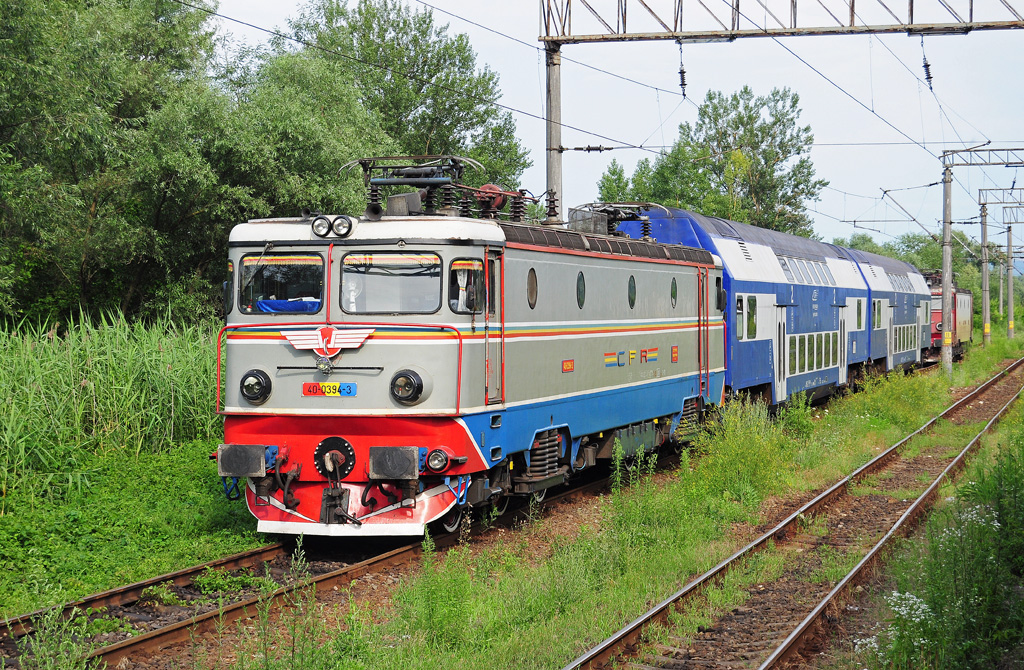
pixel 447 196
pixel 552 206
pixel 645 225
pixel 428 201
pixel 517 210
pixel 928 73
pixel 374 195
pixel 682 79
pixel 464 208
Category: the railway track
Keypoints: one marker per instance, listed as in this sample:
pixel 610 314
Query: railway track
pixel 201 614
pixel 204 613
pixel 857 517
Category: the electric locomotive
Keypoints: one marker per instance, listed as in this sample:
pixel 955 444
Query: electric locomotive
pixel 380 373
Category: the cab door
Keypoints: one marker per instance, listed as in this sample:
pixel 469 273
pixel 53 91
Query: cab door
pixel 494 330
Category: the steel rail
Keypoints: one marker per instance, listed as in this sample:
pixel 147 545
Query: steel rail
pixel 22 625
pixel 630 634
pixel 182 631
pixel 801 634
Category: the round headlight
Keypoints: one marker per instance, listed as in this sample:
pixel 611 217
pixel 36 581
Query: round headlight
pixel 406 387
pixel 255 386
pixel 342 226
pixel 321 226
pixel 437 460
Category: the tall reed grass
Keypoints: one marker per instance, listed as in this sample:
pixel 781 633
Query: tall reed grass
pixel 93 387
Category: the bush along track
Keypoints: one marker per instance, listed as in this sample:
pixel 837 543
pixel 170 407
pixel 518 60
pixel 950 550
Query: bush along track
pixel 952 598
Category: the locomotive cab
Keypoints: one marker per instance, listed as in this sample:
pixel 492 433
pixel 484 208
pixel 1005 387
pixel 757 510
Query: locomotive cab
pixel 354 353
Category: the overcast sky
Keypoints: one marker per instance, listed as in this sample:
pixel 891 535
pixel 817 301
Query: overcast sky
pixel 877 95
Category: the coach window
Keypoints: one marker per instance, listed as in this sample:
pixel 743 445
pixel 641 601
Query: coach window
pixel 751 318
pixel 813 267
pixel 806 272
pixel 466 286
pixel 385 282
pixel 786 270
pixel 828 273
pixel 281 283
pixel 581 290
pixel 803 353
pixel 229 289
pixel 792 354
pixel 739 317
pixel 631 292
pixel 820 358
pixel 835 348
pixel 674 293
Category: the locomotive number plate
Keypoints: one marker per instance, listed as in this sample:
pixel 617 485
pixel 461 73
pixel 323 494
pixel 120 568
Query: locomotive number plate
pixel 334 389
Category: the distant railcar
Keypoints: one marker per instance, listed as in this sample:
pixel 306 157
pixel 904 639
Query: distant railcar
pixel 962 332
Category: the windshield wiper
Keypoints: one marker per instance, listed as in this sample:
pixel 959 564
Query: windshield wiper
pixel 256 270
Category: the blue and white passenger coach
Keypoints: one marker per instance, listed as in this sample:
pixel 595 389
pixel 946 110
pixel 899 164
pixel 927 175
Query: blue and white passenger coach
pixel 803 315
pixel 385 372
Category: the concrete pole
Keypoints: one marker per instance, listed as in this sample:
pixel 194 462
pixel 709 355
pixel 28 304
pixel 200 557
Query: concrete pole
pixel 947 270
pixel 986 317
pixel 1009 281
pixel 1002 276
pixel 554 128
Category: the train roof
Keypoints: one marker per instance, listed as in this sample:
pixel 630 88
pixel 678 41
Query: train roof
pixel 783 244
pixel 888 264
pixel 412 230
pixel 444 229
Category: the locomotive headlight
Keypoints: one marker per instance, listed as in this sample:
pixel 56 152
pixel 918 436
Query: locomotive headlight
pixel 321 226
pixel 407 387
pixel 255 386
pixel 342 226
pixel 437 460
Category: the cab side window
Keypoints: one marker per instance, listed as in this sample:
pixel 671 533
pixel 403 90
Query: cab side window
pixel 466 286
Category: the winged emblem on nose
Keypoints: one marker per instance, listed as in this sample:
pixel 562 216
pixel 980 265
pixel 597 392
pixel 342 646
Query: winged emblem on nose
pixel 328 341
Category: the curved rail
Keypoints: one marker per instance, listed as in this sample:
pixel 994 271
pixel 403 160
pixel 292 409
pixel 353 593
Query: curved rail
pixel 631 633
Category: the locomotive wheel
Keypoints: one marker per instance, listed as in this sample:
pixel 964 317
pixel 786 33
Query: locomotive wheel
pixel 451 521
pixel 501 504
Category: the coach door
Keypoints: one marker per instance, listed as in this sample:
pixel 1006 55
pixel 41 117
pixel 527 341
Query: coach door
pixel 780 353
pixel 494 331
pixel 843 365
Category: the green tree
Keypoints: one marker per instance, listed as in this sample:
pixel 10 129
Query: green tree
pixel 422 82
pixel 861 242
pixel 744 159
pixel 78 79
pixel 614 184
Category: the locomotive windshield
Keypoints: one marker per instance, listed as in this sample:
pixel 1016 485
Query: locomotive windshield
pixel 281 283
pixel 391 283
